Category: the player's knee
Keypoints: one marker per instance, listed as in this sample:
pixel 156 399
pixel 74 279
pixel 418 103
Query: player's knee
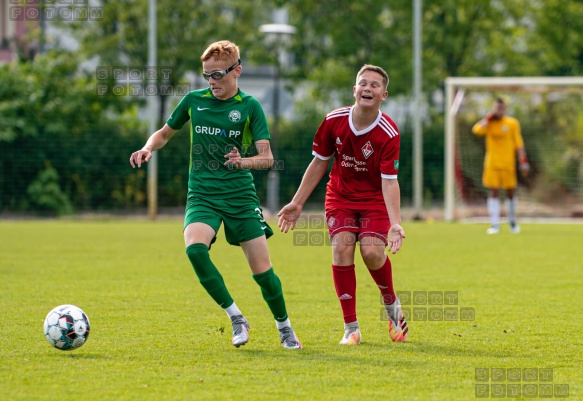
pixel 198 254
pixel 343 254
pixel 373 256
pixel 205 270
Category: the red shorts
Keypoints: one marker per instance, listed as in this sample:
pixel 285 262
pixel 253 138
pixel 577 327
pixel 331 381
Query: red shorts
pixel 366 223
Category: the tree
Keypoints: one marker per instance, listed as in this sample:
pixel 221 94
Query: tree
pixel 53 121
pixel 336 38
pixel 460 38
pixel 557 37
pixel 185 29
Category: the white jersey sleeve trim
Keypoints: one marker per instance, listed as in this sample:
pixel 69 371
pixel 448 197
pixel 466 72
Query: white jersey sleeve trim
pixel 389 177
pixel 322 157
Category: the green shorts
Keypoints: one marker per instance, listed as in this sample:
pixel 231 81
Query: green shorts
pixel 243 218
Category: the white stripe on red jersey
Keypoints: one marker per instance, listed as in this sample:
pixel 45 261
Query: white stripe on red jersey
pixel 344 111
pixel 388 128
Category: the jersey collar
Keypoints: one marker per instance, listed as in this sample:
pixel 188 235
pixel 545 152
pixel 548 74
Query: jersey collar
pixel 367 129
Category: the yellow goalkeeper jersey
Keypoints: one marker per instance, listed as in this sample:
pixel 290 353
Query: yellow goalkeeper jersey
pixel 502 139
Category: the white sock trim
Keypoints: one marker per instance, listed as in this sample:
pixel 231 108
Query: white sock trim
pixel 232 310
pixel 351 325
pixel 281 325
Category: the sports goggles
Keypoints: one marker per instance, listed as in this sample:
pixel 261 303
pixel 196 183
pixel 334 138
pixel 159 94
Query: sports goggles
pixel 219 74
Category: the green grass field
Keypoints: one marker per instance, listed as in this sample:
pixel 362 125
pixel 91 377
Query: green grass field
pixel 156 335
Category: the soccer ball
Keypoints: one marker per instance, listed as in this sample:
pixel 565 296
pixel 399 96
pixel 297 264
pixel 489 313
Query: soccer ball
pixel 66 327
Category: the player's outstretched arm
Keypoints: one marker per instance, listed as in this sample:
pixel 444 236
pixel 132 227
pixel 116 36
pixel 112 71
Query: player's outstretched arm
pixel 290 213
pixel 392 196
pixel 288 216
pixel 396 235
pixel 156 141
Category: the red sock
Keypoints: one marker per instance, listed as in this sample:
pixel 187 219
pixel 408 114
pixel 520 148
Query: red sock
pixel 384 279
pixel 345 284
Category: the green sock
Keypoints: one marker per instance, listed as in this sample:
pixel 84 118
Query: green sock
pixel 272 293
pixel 208 275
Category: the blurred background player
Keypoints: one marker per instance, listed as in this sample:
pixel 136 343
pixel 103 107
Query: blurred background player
pixel 362 197
pixel 224 119
pixel 503 143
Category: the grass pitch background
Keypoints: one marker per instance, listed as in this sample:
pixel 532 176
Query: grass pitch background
pixel 156 335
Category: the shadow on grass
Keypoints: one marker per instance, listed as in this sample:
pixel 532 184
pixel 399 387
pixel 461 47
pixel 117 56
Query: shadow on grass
pixel 80 356
pixel 365 353
pixel 368 352
pixel 467 351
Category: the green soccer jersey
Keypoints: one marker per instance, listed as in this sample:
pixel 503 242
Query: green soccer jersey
pixel 216 126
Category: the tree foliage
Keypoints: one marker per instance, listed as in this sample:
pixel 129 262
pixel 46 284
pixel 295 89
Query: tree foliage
pixel 336 38
pixel 185 29
pixel 460 38
pixel 53 121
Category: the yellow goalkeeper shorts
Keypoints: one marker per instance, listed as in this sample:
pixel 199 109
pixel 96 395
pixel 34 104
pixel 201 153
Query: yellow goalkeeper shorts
pixel 496 178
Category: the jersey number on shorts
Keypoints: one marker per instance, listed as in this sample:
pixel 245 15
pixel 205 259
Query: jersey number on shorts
pixel 261 219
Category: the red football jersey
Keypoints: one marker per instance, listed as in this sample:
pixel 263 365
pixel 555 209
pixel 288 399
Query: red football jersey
pixel 361 158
